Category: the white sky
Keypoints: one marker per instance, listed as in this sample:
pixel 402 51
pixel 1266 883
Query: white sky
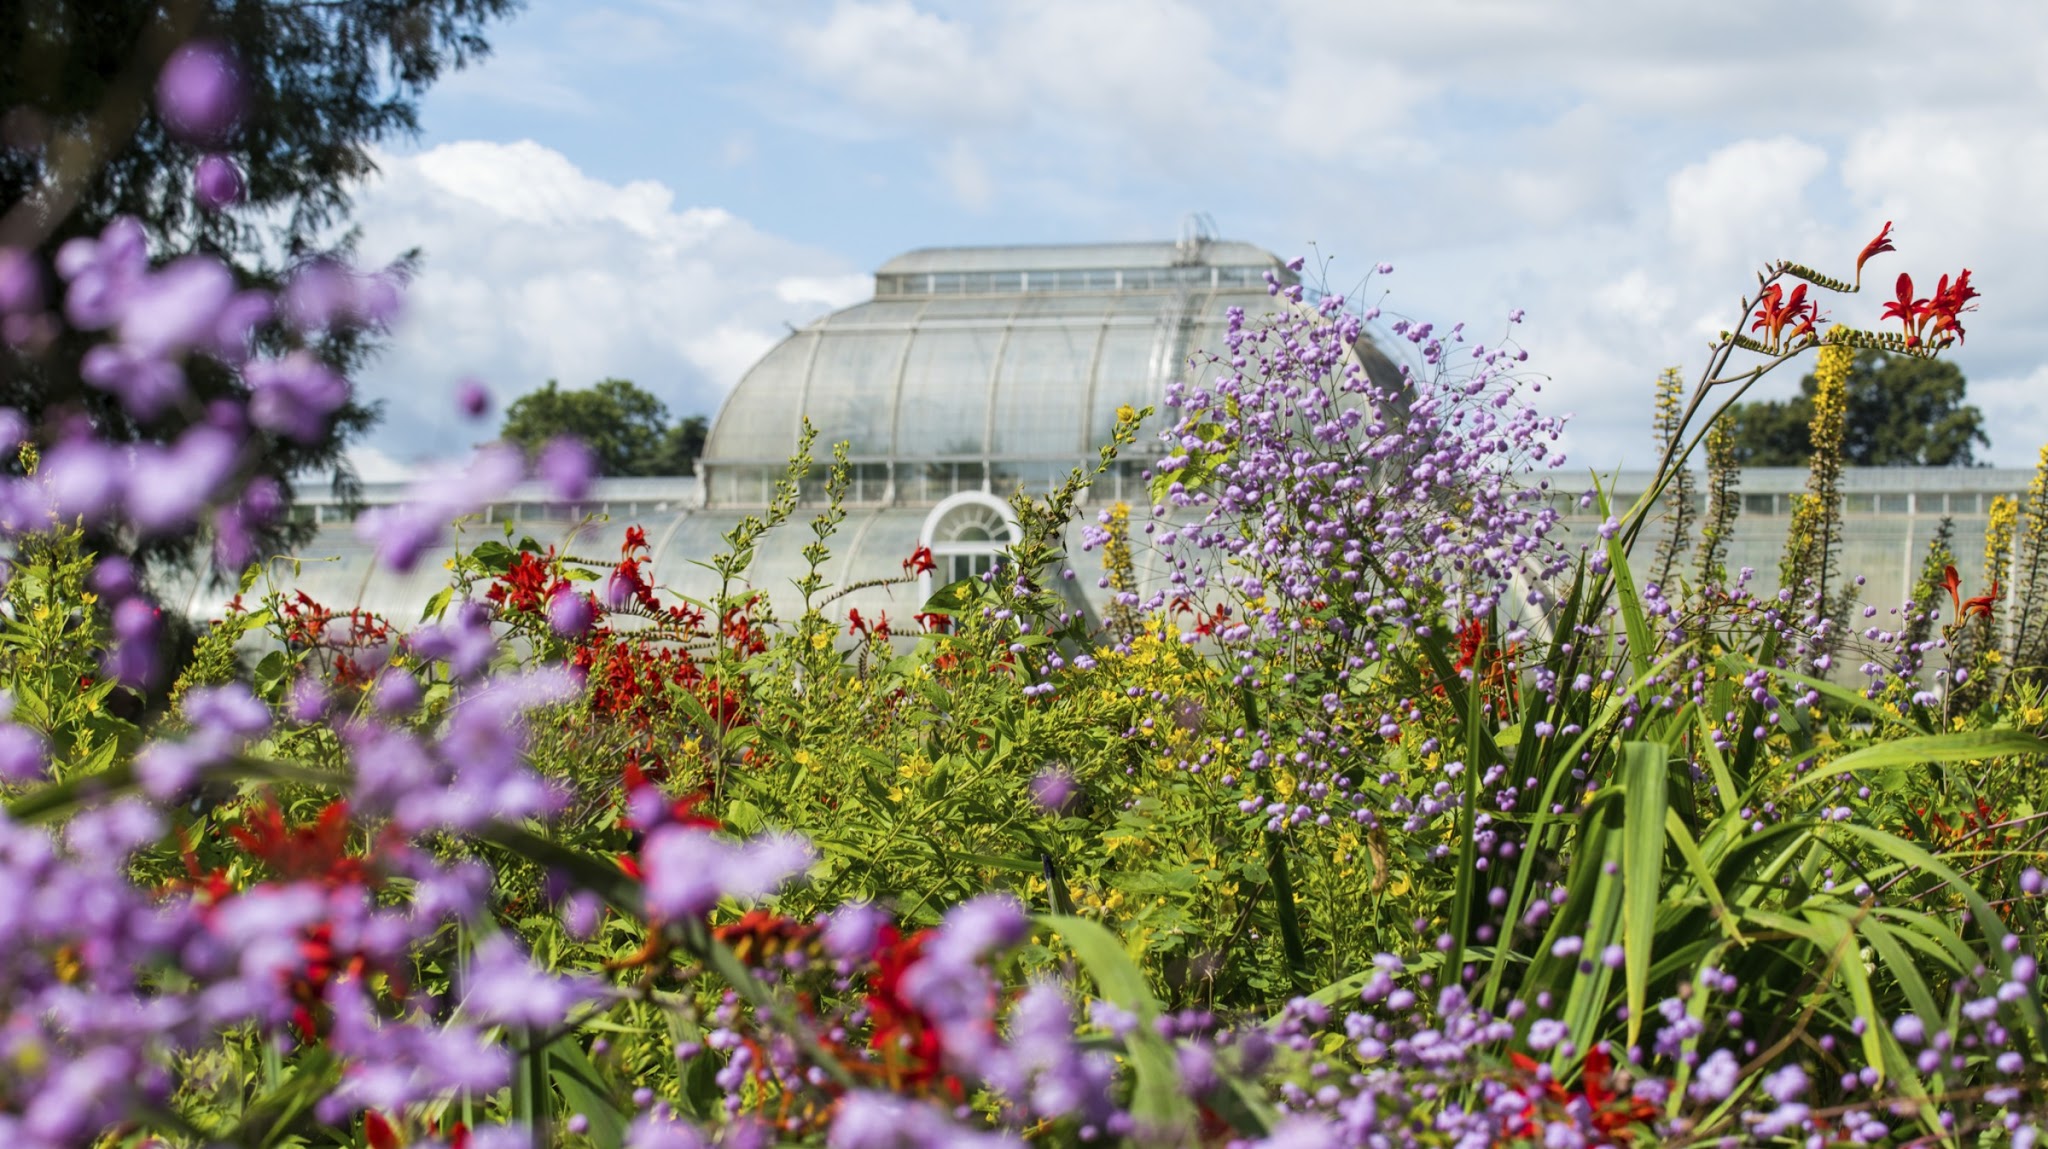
pixel 654 188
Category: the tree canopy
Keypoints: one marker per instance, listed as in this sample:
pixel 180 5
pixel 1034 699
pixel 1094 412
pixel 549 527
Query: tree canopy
pixel 629 430
pixel 1903 412
pixel 82 142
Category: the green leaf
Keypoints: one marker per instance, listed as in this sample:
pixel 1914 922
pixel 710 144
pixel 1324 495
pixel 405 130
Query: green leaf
pixel 1960 746
pixel 438 604
pixel 1645 772
pixel 1156 1099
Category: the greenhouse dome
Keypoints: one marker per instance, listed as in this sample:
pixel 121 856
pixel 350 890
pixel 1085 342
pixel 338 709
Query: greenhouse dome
pixel 972 372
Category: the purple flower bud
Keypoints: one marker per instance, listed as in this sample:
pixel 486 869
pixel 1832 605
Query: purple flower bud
pixel 1613 956
pixel 21 281
pixel 133 660
pixel 23 754
pixel 113 578
pixel 397 692
pixel 472 398
pixel 853 930
pixel 216 183
pixel 294 396
pixel 1909 1030
pixel 199 92
pixel 1052 790
pixel 567 467
pixel 2030 878
pixel 308 702
pixel 570 613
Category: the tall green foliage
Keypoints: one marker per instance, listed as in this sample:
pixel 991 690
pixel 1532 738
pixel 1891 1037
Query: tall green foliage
pixel 1724 503
pixel 1680 495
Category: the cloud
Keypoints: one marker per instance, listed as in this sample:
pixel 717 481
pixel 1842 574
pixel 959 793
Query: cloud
pixel 1619 169
pixel 534 270
pixel 1745 198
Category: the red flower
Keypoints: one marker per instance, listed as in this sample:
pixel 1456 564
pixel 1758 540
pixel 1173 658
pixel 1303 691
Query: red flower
pixel 1979 605
pixel 1950 301
pixel 855 624
pixel 1878 246
pixel 919 562
pixel 636 540
pixel 378 1131
pixel 1777 311
pixel 1953 582
pixel 1906 309
pixel 933 622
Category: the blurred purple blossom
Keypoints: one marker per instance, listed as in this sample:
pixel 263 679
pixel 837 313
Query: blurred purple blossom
pixel 216 183
pixel 199 92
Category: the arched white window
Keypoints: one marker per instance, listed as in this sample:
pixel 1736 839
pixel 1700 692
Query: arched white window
pixel 967 533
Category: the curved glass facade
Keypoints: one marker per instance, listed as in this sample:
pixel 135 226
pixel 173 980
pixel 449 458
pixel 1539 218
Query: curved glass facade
pixel 983 369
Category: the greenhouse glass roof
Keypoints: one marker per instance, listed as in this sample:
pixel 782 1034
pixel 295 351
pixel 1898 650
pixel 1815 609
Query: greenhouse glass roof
pixel 974 368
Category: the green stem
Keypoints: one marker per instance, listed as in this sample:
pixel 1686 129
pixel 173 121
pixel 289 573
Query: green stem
pixel 1283 904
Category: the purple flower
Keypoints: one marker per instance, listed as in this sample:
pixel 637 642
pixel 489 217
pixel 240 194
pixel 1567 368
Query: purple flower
pixel 1786 1084
pixel 24 756
pixel 21 281
pixel 323 293
pixel 503 987
pixel 1546 1032
pixel 396 692
pixel 1052 790
pixel 199 92
pixel 1716 1077
pixel 216 183
pixel 1909 1029
pixel 231 710
pixel 472 398
pixel 664 1130
pixel 176 308
pixel 167 487
pixel 133 660
pixel 567 467
pixel 978 927
pixel 146 387
pixel 570 613
pixel 403 533
pixel 690 869
pixel 113 578
pixel 103 272
pixel 870 1120
pixel 853 930
pixel 294 396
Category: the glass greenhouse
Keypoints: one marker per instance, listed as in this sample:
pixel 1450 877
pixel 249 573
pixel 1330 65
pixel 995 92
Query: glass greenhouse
pixel 976 371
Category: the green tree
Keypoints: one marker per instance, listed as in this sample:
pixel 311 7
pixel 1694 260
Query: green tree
pixel 625 427
pixel 1903 411
pixel 81 143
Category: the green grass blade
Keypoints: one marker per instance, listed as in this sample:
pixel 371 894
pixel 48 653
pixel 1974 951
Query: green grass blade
pixel 1958 746
pixel 1645 774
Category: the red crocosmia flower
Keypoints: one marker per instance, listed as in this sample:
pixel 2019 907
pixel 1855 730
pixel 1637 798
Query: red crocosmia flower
pixel 636 540
pixel 855 624
pixel 1612 1114
pixel 1777 312
pixel 1979 605
pixel 1878 246
pixel 378 1131
pixel 933 622
pixel 1953 583
pixel 1906 309
pixel 919 562
pixel 1943 312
